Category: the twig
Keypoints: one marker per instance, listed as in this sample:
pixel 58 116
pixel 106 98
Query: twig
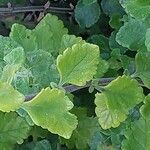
pixel 73 88
pixel 12 10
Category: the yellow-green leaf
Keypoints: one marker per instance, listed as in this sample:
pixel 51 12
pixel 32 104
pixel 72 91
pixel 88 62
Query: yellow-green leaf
pixel 78 64
pixel 50 110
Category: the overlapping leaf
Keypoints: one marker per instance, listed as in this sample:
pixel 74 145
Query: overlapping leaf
pixel 114 103
pixel 54 29
pixel 143 67
pixel 145 111
pixel 87 14
pixel 13 129
pixel 137 8
pixel 10 99
pixel 78 64
pixel 132 35
pixel 50 110
pixel 137 136
pixel 82 136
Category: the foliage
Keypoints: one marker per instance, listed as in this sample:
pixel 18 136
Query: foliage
pixel 82 82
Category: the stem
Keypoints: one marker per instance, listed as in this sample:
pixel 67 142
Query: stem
pixel 73 88
pixel 12 10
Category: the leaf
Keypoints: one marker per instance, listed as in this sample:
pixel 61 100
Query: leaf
pixel 87 14
pixel 13 129
pixel 137 136
pixel 24 37
pixel 50 110
pixel 15 57
pixel 54 29
pixel 114 103
pixel 6 45
pixel 10 99
pixel 68 41
pixel 82 135
pixel 139 9
pixel 132 35
pixel 145 111
pixel 78 64
pixel 110 7
pixel 14 60
pixel 147 40
pixel 143 68
pixel 103 44
pixel 41 63
pixel 102 68
pixel 8 73
pixel 43 145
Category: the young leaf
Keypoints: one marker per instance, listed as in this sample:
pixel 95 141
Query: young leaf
pixel 50 110
pixel 143 68
pixel 132 35
pixel 137 136
pixel 10 99
pixel 114 103
pixel 78 64
pixel 13 129
pixel 87 14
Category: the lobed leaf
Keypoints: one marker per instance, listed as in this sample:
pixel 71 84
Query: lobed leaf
pixel 78 64
pixel 10 99
pixel 50 110
pixel 13 129
pixel 114 103
pixel 143 68
pixel 137 136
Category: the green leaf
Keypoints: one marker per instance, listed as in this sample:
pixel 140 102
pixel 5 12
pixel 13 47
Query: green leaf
pixel 110 7
pixel 68 41
pixel 54 29
pixel 103 44
pixel 15 57
pixel 14 60
pixel 132 35
pixel 10 99
pixel 8 73
pixel 102 68
pixel 41 63
pixel 50 110
pixel 137 8
pixel 82 135
pixel 6 45
pixel 143 67
pixel 24 37
pixel 145 111
pixel 78 64
pixel 137 136
pixel 147 40
pixel 114 103
pixel 13 129
pixel 43 145
pixel 87 14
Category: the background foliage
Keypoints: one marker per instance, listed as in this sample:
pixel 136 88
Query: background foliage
pixel 75 75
